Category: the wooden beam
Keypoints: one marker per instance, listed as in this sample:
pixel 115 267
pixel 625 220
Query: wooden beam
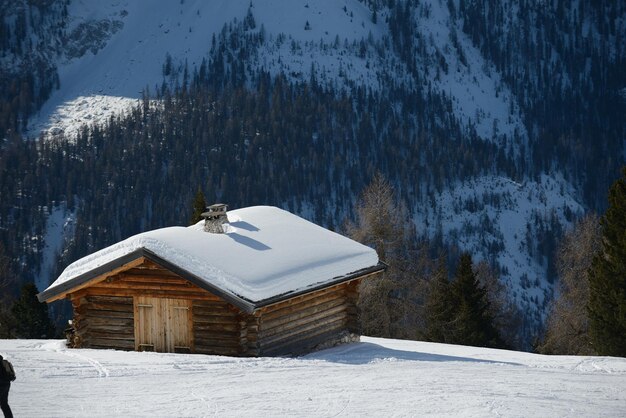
pixel 305 321
pixel 293 334
pixel 98 279
pixel 190 295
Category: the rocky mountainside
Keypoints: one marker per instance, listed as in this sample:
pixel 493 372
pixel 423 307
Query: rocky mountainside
pixel 498 122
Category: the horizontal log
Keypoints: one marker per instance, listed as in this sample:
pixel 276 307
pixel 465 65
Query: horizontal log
pixel 225 329
pixel 202 340
pixel 211 303
pixel 290 309
pixel 290 316
pixel 294 334
pixel 200 332
pixel 105 299
pixel 252 327
pixel 125 335
pixel 305 344
pixel 222 311
pixel 304 339
pixel 219 351
pixel 187 295
pixel 182 287
pixel 103 308
pixel 111 330
pixel 96 321
pixel 90 313
pixel 217 319
pixel 338 311
pixel 152 272
pixel 340 288
pixel 99 339
pixel 106 343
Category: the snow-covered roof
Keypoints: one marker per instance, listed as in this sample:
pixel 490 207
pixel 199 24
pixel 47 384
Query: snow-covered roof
pixel 265 253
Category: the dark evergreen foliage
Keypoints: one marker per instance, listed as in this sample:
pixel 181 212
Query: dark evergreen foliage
pixel 607 278
pixel 29 76
pixel 472 323
pixel 440 306
pixel 568 83
pixel 30 317
pixel 198 206
pixel 310 146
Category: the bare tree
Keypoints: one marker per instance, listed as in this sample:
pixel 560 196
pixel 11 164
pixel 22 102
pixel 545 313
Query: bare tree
pixel 381 220
pixel 382 223
pixel 568 324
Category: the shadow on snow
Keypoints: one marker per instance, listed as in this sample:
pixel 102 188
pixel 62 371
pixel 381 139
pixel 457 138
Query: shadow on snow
pixel 364 353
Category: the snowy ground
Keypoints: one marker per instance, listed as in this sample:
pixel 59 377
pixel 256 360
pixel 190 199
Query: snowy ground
pixel 376 377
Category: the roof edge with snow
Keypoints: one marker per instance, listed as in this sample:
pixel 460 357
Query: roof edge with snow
pixel 241 302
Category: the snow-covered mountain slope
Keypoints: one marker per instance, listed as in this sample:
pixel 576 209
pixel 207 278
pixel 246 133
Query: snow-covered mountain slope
pixel 119 48
pixel 116 49
pixel 113 50
pixel 502 221
pixel 375 377
pixel 109 73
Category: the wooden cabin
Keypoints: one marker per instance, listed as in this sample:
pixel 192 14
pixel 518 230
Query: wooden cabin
pixel 258 281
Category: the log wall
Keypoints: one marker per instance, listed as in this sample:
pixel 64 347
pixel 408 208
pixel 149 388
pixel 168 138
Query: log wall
pixel 217 328
pixel 102 321
pixel 104 311
pixel 104 316
pixel 301 324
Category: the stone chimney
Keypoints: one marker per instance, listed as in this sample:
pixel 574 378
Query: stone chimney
pixel 214 218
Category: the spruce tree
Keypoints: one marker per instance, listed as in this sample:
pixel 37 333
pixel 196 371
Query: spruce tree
pixel 607 278
pixel 439 307
pixel 198 206
pixel 30 317
pixel 472 324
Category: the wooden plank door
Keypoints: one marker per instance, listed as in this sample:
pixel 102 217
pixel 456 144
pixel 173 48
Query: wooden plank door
pixel 163 325
pixel 178 325
pixel 149 335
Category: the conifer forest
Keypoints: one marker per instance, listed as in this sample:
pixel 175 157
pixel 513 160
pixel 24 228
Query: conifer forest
pixel 246 126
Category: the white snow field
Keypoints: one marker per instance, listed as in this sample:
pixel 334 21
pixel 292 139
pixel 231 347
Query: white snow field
pixel 375 377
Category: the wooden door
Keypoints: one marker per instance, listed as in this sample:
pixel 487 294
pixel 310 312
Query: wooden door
pixel 178 322
pixel 162 325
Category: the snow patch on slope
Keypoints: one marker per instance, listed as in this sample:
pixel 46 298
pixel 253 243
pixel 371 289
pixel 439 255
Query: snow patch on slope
pixel 60 226
pixel 497 214
pixel 74 115
pixel 336 40
pixel 479 96
pixel 131 61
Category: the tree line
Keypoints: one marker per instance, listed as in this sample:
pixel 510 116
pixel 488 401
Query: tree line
pixel 417 299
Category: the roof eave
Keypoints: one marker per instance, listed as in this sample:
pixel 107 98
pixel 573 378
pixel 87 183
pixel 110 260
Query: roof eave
pixel 239 302
pixel 333 282
pixel 244 304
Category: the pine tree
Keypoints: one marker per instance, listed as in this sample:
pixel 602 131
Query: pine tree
pixel 439 307
pixel 199 206
pixel 30 316
pixel 607 278
pixel 7 282
pixel 472 324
